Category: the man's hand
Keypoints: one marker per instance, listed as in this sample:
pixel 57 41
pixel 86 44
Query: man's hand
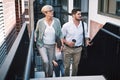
pixel 70 44
pixel 55 63
pixel 88 42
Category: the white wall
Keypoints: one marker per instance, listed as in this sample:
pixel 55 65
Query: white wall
pixel 93 7
pixel 70 7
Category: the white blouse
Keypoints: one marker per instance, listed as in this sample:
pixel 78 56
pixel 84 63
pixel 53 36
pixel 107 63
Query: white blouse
pixel 49 34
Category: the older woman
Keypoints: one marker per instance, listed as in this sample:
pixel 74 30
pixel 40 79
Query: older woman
pixel 45 34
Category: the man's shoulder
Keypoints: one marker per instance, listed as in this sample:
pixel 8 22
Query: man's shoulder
pixel 67 23
pixel 83 22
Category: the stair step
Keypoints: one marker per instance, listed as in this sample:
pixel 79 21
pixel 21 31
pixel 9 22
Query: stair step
pixel 40 74
pixel 99 77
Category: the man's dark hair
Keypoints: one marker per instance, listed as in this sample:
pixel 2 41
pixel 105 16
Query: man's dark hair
pixel 74 11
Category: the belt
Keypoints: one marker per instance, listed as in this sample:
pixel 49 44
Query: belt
pixel 74 46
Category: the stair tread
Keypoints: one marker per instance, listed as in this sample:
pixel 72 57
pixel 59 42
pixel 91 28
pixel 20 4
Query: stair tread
pixel 39 74
pixel 99 77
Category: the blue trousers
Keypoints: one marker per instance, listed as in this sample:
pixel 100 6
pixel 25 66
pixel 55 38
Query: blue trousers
pixel 59 68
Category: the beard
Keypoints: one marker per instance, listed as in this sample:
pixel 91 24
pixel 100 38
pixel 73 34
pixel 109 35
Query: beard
pixel 78 19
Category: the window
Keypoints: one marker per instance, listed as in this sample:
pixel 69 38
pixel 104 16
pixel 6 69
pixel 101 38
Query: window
pixel 26 4
pixel 77 4
pixel 2 32
pixel 118 8
pixel 110 7
pixel 2 36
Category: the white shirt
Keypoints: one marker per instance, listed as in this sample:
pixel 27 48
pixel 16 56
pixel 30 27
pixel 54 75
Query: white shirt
pixel 49 34
pixel 70 31
pixel 58 54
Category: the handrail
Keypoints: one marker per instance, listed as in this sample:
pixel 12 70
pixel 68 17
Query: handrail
pixel 29 58
pixel 110 33
pixel 9 58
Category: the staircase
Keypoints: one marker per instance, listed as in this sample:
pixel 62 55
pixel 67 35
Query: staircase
pixel 40 75
pixel 100 77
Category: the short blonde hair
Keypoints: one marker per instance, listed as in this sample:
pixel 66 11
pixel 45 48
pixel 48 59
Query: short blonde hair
pixel 46 8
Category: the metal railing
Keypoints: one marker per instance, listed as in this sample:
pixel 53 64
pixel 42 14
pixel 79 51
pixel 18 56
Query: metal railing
pixel 29 58
pixel 10 56
pixel 110 33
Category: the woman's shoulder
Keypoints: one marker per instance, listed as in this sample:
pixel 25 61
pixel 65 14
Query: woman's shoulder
pixel 56 19
pixel 41 20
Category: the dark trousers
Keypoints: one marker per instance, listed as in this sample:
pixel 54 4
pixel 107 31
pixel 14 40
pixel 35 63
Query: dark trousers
pixel 59 68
